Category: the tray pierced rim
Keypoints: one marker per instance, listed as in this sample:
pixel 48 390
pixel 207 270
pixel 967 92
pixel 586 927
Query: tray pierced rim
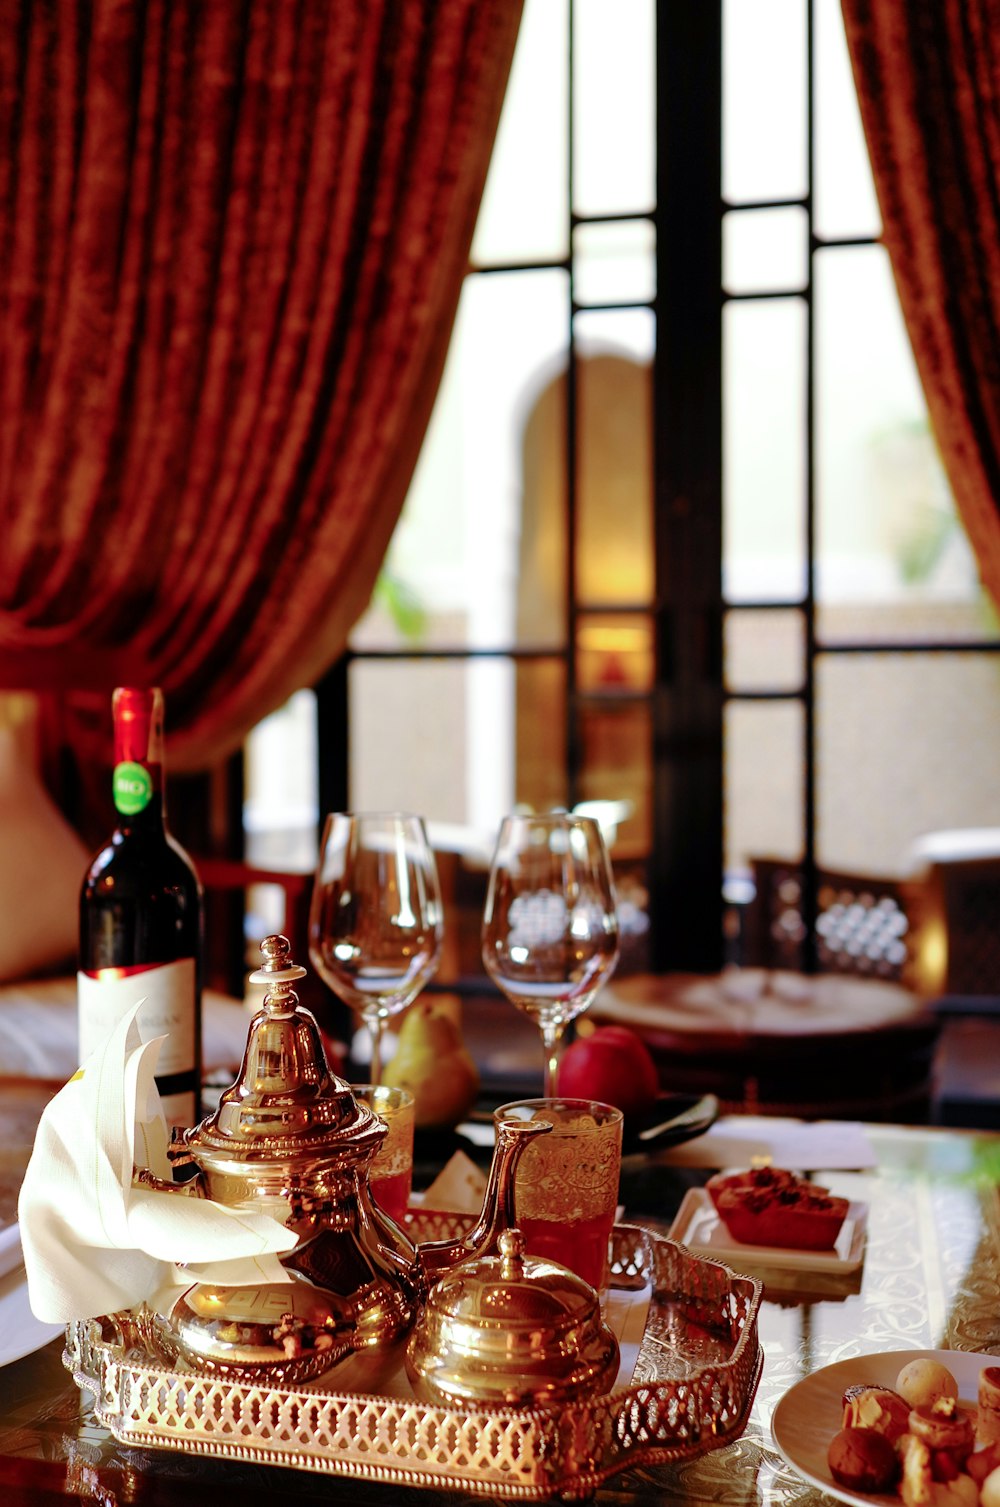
pixel 520 1453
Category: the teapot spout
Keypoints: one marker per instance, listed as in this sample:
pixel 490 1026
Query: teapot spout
pixel 498 1213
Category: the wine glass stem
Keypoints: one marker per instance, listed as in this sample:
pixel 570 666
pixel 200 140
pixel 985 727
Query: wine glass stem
pixel 552 1036
pixel 375 1032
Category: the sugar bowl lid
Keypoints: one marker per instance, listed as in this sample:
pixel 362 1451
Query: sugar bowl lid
pixel 511 1330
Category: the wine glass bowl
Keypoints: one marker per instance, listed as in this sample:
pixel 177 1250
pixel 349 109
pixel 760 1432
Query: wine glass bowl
pixel 376 921
pixel 550 924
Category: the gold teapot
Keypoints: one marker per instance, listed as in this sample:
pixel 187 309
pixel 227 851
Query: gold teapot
pixel 290 1138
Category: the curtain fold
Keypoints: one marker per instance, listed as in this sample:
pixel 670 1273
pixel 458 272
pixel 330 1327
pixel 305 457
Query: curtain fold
pixel 928 81
pixel 232 241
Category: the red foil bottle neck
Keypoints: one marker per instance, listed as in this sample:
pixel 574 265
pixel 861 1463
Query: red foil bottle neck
pixel 138 719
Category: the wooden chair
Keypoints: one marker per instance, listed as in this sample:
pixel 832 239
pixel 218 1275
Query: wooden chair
pixel 957 937
pixel 957 967
pixel 864 924
pixel 230 950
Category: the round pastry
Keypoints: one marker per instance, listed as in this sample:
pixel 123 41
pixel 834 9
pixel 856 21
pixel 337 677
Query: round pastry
pixel 944 1428
pixel 988 1408
pixel 877 1408
pixel 989 1491
pixel 862 1460
pixel 980 1464
pixel 923 1381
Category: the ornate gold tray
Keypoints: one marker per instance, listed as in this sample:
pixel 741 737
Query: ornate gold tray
pixel 691 1390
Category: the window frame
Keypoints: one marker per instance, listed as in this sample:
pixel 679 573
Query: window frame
pixel 688 699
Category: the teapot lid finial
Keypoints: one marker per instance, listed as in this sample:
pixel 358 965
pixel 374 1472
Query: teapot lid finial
pixel 286 1101
pixel 278 972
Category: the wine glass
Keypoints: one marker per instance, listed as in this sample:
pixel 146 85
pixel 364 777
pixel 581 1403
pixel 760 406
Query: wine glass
pixel 375 921
pixel 550 926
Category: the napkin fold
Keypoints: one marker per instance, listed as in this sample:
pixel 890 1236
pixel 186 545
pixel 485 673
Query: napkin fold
pixel 94 1242
pixel 738 1140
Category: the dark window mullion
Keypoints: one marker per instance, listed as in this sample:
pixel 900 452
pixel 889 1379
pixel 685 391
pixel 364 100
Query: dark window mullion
pixel 610 306
pixel 810 900
pixel 573 730
pixel 686 857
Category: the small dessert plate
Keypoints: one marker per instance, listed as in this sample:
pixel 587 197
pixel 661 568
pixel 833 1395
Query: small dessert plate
pixel 20 1332
pixel 699 1228
pixel 810 1412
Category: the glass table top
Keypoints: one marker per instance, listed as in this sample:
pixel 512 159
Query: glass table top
pixel 930 1279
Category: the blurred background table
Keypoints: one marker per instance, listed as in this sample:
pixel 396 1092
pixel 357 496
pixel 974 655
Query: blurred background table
pixel 779 1042
pixel 928 1281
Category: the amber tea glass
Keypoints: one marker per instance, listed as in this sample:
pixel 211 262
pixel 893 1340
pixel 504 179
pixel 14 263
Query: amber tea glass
pixel 391 1173
pixel 566 1184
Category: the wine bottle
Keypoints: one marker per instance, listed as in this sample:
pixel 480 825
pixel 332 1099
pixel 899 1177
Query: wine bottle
pixel 141 916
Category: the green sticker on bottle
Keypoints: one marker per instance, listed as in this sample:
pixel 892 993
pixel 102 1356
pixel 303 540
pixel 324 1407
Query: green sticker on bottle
pixel 132 787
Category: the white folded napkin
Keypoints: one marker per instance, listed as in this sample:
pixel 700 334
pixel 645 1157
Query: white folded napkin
pixel 94 1242
pixel 738 1140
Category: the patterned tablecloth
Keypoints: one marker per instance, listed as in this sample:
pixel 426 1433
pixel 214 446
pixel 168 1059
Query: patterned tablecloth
pixel 930 1280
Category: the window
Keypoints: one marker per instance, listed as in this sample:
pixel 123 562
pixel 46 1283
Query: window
pixel 678 539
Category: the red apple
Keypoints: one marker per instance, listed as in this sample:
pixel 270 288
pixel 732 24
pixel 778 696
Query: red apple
pixel 613 1065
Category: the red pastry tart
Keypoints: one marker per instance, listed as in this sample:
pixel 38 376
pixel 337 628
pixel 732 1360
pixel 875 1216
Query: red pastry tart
pixel 771 1206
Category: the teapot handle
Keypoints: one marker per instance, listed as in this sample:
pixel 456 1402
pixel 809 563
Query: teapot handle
pixel 142 1177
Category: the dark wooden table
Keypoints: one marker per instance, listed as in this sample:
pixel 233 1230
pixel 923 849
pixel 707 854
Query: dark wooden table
pixel 829 1046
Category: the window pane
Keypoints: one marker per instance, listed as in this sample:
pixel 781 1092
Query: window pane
pixel 525 210
pixel 615 652
pixel 844 200
pixel 614 125
pixel 627 332
pixel 764 100
pixel 615 262
pixel 919 620
pixel 886 523
pixel 617 744
pixel 435 737
pixel 614 480
pixel 765 250
pixel 763 782
pixel 764 651
pixel 764 450
pixel 281 792
pixel 907 745
pixel 540 734
pixel 483 497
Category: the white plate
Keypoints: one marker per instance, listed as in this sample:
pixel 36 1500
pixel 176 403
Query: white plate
pixel 10 1249
pixel 699 1227
pixel 20 1332
pixel 811 1412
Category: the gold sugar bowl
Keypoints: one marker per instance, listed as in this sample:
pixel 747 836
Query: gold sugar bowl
pixel 511 1330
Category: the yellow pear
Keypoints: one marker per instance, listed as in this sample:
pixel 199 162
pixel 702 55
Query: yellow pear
pixel 431 1061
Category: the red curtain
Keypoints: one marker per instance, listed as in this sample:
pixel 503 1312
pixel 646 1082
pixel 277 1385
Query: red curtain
pixel 232 240
pixel 928 79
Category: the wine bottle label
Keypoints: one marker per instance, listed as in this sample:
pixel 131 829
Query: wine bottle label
pixel 132 787
pixel 167 989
